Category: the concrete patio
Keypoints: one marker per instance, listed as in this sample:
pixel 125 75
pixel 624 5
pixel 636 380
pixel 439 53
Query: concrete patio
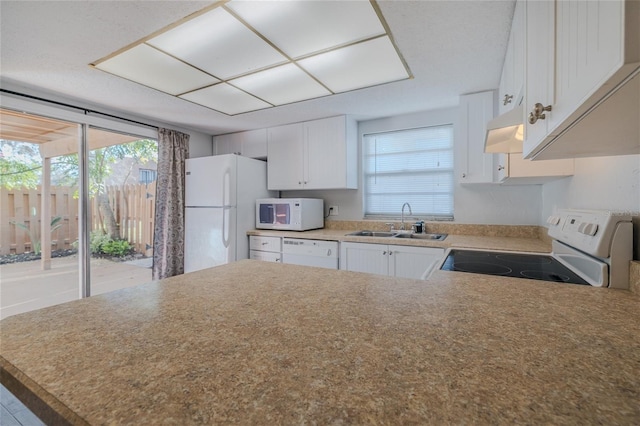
pixel 25 287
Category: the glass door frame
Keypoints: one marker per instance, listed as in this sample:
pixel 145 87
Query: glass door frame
pixel 84 119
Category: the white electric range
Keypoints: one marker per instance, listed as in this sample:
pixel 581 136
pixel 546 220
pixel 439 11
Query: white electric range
pixel 591 247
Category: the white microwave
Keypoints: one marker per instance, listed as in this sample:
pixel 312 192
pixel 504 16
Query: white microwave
pixel 290 214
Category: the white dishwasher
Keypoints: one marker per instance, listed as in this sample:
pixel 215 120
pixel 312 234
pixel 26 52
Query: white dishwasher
pixel 310 252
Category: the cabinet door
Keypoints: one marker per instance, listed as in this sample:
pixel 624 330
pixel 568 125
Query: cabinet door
pixel 518 167
pixel 588 51
pixel 227 144
pixel 254 143
pixel 540 30
pixel 265 256
pixel 475 111
pixel 413 262
pixel 285 153
pixel 325 160
pixel 359 257
pixel 502 168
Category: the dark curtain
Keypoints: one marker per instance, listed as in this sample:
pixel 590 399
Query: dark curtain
pixel 168 236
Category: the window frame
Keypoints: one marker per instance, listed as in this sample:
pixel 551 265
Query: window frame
pixel 419 215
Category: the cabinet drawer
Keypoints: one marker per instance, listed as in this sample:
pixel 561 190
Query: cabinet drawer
pixel 265 256
pixel 265 243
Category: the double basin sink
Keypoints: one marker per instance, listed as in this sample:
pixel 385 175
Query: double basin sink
pixel 399 234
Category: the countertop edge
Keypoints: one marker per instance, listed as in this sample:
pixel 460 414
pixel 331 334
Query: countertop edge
pixel 44 405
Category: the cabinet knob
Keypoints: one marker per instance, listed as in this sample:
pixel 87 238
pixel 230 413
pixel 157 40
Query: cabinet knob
pixel 507 99
pixel 299 182
pixel 464 175
pixel 538 113
pixel 384 253
pixel 500 168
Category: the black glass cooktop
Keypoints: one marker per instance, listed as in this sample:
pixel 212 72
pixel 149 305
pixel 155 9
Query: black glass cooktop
pixel 518 265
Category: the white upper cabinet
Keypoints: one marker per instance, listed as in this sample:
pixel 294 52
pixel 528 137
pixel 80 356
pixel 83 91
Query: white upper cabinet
pixel 285 153
pixel 511 87
pixel 579 55
pixel 252 143
pixel 513 169
pixel 473 165
pixel 319 154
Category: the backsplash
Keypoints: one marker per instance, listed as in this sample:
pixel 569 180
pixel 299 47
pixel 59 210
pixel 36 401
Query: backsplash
pixel 518 231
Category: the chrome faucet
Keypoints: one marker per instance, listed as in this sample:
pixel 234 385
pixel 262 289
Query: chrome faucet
pixel 410 212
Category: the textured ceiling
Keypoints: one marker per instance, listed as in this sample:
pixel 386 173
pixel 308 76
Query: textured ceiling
pixel 452 47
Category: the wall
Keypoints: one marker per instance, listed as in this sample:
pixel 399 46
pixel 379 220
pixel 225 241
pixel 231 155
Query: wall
pixel 600 183
pixel 485 204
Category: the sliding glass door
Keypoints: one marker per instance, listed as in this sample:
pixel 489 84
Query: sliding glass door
pixel 39 202
pixel 55 176
pixel 122 187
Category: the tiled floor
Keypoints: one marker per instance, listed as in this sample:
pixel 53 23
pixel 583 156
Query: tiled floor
pixel 13 412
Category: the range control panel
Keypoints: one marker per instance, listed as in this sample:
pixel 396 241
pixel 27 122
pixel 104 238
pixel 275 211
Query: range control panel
pixel 590 231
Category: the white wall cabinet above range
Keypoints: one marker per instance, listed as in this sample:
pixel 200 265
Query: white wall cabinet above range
pixel 581 96
pixel 395 261
pixel 319 154
pixel 511 89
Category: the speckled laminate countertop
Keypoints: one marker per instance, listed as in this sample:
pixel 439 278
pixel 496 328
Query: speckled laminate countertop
pixel 533 245
pixel 264 343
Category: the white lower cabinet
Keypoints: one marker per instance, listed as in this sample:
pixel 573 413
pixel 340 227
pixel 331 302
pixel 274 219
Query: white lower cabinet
pixel 268 249
pixel 396 261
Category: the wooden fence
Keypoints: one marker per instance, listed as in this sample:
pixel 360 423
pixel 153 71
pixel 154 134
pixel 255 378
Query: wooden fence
pixel 133 206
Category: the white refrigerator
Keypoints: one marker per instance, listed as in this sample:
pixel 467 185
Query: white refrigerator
pixel 220 196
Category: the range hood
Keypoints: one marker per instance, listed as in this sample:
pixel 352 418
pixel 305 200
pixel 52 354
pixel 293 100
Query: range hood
pixel 505 133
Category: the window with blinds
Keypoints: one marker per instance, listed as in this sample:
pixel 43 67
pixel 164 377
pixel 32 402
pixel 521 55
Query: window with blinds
pixel 414 166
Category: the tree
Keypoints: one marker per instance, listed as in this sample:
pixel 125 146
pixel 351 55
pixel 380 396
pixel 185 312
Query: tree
pixel 21 165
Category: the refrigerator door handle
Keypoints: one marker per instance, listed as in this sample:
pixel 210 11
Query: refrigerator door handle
pixel 226 178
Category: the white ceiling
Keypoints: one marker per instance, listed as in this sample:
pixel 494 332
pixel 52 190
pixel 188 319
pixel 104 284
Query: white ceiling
pixel 451 47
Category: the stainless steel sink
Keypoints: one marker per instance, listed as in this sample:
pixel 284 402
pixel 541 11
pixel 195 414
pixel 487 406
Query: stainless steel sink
pixel 433 237
pixel 372 234
pixel 399 234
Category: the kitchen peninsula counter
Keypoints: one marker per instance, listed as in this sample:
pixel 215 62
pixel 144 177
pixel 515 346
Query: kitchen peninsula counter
pixel 264 343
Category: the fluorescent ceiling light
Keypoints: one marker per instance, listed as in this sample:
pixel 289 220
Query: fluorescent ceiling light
pixel 281 85
pixel 303 27
pixel 360 65
pixel 505 133
pixel 146 65
pixel 225 98
pixel 219 44
pixel 241 56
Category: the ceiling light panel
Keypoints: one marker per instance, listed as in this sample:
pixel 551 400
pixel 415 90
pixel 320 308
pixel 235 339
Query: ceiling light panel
pixel 225 98
pixel 146 65
pixel 300 28
pixel 360 65
pixel 281 85
pixel 219 44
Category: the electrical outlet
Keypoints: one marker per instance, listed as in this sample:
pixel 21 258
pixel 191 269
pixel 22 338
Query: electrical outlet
pixel 333 210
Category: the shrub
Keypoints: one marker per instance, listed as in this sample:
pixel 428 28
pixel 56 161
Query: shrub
pixel 116 247
pixel 100 243
pixel 96 240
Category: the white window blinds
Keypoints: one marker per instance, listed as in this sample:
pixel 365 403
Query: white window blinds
pixel 414 166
